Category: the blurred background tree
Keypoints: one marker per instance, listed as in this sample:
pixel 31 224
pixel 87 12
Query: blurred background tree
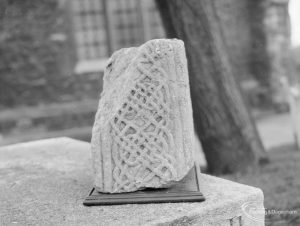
pixel 223 123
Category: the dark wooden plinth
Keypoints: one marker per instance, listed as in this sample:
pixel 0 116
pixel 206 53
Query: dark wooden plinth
pixel 187 190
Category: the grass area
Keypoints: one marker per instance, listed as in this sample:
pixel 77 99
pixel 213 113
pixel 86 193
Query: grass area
pixel 280 182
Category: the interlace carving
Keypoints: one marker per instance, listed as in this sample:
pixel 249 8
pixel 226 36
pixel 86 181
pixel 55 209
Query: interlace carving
pixel 142 144
pixel 143 131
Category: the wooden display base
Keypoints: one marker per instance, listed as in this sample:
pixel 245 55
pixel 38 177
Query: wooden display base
pixel 187 190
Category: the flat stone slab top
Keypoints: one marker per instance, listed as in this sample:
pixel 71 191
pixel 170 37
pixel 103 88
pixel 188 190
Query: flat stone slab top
pixel 45 182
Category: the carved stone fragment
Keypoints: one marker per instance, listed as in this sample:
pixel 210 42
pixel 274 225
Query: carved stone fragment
pixel 143 135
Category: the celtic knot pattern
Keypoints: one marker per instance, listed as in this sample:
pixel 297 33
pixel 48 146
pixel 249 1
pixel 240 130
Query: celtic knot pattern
pixel 142 144
pixel 143 131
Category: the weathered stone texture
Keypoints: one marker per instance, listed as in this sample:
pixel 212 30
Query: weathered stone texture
pixel 143 134
pixel 45 182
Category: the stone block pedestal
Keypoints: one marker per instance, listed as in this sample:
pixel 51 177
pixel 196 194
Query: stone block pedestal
pixel 45 182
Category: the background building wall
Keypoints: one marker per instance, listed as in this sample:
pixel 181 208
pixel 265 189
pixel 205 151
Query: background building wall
pixel 55 50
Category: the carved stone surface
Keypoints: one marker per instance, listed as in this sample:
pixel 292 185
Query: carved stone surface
pixel 143 134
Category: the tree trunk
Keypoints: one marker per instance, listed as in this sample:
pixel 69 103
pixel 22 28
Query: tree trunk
pixel 224 126
pixel 277 34
pixel 256 36
pixel 259 62
pixel 235 26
